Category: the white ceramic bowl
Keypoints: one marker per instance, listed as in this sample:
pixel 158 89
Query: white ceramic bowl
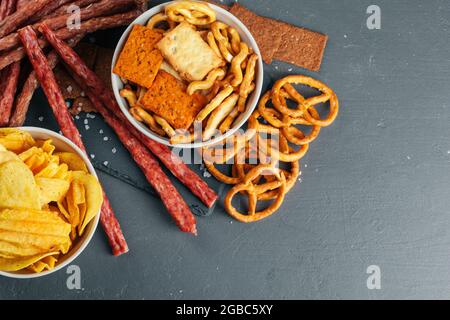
pixel 62 144
pixel 229 19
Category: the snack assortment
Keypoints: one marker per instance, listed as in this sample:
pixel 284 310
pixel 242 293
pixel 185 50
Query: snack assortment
pixel 47 199
pixel 186 67
pixel 266 158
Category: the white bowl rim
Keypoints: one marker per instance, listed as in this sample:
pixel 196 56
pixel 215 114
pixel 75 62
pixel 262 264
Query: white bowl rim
pixel 88 237
pixel 147 132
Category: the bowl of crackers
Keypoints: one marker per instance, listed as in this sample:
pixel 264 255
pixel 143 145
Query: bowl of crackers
pixel 50 200
pixel 187 74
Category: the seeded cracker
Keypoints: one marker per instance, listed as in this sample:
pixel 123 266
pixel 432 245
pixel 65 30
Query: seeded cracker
pixel 168 99
pixel 139 61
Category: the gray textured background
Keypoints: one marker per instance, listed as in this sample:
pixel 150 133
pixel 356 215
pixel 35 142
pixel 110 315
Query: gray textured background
pixel 375 185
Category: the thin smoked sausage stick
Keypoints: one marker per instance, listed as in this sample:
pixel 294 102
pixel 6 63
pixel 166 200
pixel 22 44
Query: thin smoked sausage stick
pixel 30 85
pixel 179 169
pixel 105 7
pixel 171 198
pixel 48 82
pixel 87 26
pixel 9 78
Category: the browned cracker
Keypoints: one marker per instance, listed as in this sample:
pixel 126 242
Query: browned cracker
pixel 264 30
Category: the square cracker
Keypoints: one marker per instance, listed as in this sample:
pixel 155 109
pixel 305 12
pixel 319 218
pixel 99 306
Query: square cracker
pixel 168 99
pixel 188 53
pixel 139 61
pixel 301 47
pixel 264 30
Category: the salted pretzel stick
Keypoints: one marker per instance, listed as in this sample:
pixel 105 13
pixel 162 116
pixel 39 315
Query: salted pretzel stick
pixel 47 79
pixel 216 74
pixel 178 168
pixel 217 28
pixel 129 95
pixel 88 26
pixel 221 96
pixel 165 126
pixel 31 84
pixel 246 87
pixel 104 7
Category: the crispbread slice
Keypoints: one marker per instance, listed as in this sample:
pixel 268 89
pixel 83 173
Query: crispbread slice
pixel 168 99
pixel 188 53
pixel 139 61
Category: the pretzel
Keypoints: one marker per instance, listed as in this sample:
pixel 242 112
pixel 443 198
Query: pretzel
pixel 213 76
pixel 305 104
pixel 158 18
pixel 286 123
pixel 143 116
pixel 195 13
pixel 219 114
pixel 224 46
pixel 221 96
pixel 236 65
pixel 253 191
pixel 129 95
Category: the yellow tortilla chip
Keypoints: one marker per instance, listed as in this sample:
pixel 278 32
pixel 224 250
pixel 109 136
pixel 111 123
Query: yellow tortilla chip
pixel 10 249
pixel 51 190
pixel 8 156
pixel 17 186
pixel 74 161
pixel 16 140
pixel 21 263
pixel 46 146
pixel 94 196
pixel 47 263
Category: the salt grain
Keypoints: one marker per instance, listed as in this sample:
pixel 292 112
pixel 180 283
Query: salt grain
pixel 41 119
pixel 87 127
pixel 92 156
pixel 100 131
pixel 105 163
pixel 113 150
pixel 77 117
pixel 86 121
pixel 206 174
pixel 105 139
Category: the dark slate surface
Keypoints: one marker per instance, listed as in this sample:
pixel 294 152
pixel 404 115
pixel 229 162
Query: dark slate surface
pixel 374 191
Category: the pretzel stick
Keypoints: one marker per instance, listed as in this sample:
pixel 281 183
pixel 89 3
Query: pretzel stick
pixel 235 40
pixel 219 114
pixel 212 43
pixel 88 26
pixel 236 65
pixel 217 28
pixel 206 84
pixel 221 96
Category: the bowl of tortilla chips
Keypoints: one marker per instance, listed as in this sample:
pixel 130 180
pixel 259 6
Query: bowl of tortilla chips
pixel 50 200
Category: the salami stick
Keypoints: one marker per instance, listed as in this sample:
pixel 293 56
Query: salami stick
pixel 88 26
pixel 47 10
pixel 64 9
pixel 66 124
pixel 14 21
pixel 31 84
pixel 9 79
pixel 98 9
pixel 173 163
pixel 171 198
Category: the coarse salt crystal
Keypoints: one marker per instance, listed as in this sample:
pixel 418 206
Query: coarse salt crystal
pixel 92 155
pixel 69 89
pixel 82 93
pixel 105 163
pixel 87 127
pixel 100 131
pixel 113 150
pixel 41 119
pixel 86 121
pixel 105 139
